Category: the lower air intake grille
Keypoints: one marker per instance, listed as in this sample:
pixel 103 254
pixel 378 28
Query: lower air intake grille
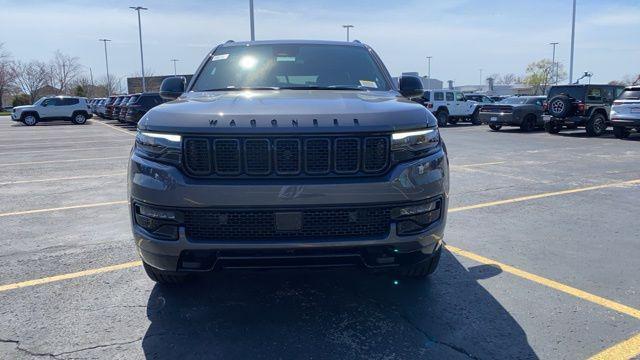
pixel 321 223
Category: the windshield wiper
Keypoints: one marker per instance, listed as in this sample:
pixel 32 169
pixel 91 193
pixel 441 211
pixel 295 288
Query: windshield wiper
pixel 244 88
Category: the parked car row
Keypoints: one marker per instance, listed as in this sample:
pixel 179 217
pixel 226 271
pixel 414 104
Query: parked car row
pixel 125 108
pixel 592 106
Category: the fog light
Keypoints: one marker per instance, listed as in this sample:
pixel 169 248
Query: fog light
pixel 415 209
pixel 156 213
pixel 416 218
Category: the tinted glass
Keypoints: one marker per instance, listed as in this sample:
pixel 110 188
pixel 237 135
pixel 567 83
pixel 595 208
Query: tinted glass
pixel 449 96
pixel 426 96
pixel 132 100
pixel 576 92
pixel 459 97
pixel 438 96
pixel 594 94
pixel 630 95
pixel 514 100
pixel 291 66
pixel 69 101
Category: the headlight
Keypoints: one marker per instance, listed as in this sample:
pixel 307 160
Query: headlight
pixel 414 144
pixel 159 146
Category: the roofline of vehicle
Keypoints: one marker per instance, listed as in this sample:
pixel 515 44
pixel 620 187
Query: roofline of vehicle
pixel 231 43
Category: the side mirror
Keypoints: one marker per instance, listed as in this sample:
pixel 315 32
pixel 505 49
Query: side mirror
pixel 411 86
pixel 172 87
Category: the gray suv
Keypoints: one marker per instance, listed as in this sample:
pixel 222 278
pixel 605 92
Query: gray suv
pixel 282 154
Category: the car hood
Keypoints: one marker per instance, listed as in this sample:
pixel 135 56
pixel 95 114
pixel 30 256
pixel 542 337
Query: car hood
pixel 23 107
pixel 287 111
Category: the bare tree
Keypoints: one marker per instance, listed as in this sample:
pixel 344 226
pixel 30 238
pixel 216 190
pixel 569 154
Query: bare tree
pixel 112 85
pixel 6 77
pixel 509 79
pixel 64 70
pixel 31 77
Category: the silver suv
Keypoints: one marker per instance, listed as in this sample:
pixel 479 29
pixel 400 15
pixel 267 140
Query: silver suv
pixel 625 112
pixel 73 108
pixel 284 154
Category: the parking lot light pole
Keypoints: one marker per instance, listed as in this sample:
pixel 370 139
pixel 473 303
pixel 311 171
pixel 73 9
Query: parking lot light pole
pixel 429 72
pixel 573 38
pixel 348 26
pixel 480 79
pixel 138 8
pixel 106 61
pixel 253 29
pixel 175 72
pixel 554 67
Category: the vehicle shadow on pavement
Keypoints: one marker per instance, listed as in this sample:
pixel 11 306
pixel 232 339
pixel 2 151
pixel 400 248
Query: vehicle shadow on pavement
pixel 329 314
pixel 45 124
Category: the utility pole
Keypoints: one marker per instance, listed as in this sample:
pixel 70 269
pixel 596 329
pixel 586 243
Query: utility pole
pixel 573 39
pixel 480 79
pixel 554 67
pixel 106 60
pixel 138 8
pixel 175 72
pixel 348 27
pixel 429 72
pixel 253 29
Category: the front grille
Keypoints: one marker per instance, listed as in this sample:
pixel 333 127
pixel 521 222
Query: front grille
pixel 319 223
pixel 286 156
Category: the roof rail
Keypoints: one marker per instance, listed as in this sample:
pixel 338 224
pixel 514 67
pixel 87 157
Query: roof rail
pixel 357 41
pixel 229 41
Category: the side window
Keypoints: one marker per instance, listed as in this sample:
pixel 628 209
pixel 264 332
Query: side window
pixel 619 91
pixel 449 96
pixel 594 94
pixel 459 96
pixel 69 101
pixel 487 99
pixel 438 96
pixel 607 94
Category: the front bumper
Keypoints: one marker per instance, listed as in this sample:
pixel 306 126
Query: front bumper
pixel 630 121
pixel 166 187
pixel 501 119
pixel 15 116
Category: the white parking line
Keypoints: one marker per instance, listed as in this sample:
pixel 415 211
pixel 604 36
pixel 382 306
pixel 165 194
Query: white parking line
pixel 130 133
pixel 59 150
pixel 61 179
pixel 31 143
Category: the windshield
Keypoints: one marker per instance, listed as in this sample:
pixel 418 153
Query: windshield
pixel 291 66
pixel 630 95
pixel 514 100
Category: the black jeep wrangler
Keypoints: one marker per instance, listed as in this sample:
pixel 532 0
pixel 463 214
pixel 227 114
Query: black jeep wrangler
pixel 580 105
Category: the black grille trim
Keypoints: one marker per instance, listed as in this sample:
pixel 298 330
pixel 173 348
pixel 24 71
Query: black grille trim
pixel 202 225
pixel 282 156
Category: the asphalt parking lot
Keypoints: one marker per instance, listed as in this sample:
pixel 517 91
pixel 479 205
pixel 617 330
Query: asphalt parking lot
pixel 542 262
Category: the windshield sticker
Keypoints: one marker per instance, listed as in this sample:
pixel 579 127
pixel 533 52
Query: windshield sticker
pixel 220 57
pixel 286 58
pixel 369 84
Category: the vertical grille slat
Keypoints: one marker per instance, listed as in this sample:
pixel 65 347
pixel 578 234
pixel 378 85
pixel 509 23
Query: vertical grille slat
pixel 317 159
pixel 257 156
pixel 375 150
pixel 269 156
pixel 288 156
pixel 198 156
pixel 227 156
pixel 347 155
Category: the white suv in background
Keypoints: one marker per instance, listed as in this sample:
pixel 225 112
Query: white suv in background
pixel 450 106
pixel 49 108
pixel 625 112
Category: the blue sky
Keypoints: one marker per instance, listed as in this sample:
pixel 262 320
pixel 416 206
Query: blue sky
pixel 462 35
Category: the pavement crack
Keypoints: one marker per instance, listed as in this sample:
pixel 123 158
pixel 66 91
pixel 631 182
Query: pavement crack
pixel 26 351
pixel 98 347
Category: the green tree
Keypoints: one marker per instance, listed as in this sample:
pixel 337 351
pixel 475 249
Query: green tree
pixel 79 91
pixel 21 99
pixel 542 73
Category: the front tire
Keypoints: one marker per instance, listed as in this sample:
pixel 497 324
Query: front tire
pixel 443 118
pixel 475 118
pixel 596 125
pixel 164 277
pixel 495 127
pixel 30 119
pixel 621 132
pixel 423 269
pixel 552 128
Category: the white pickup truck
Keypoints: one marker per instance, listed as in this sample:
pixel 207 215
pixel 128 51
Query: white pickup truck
pixel 450 106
